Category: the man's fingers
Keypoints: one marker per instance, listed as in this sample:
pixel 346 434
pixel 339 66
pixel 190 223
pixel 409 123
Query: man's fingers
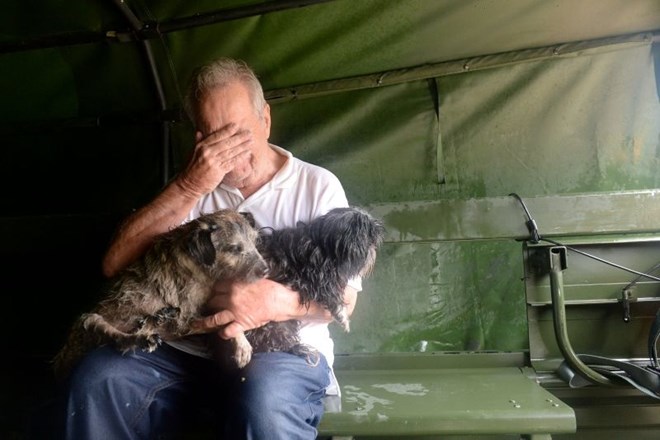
pixel 231 330
pixel 235 147
pixel 223 139
pixel 226 150
pixel 212 322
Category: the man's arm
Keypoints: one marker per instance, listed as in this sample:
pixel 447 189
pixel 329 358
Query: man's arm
pixel 212 158
pixel 245 306
pixel 138 231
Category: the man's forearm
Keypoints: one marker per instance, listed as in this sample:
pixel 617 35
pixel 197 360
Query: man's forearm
pixel 318 313
pixel 240 307
pixel 139 230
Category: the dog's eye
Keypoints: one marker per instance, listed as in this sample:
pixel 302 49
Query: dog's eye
pixel 234 248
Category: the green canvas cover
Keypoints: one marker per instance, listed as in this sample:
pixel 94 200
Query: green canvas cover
pixel 409 102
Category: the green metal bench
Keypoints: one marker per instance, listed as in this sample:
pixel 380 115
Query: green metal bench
pixel 404 395
pixel 506 395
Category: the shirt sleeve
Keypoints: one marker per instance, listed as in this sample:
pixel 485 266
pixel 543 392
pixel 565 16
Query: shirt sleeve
pixel 330 195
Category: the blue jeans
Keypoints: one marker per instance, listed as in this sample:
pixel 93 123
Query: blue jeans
pixel 163 395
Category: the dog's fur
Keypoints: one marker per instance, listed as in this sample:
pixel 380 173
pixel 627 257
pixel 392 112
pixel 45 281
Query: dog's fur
pixel 157 297
pixel 316 259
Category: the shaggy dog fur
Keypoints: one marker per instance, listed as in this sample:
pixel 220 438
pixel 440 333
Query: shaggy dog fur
pixel 158 296
pixel 316 260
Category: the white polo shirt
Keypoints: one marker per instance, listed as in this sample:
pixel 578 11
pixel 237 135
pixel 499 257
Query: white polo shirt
pixel 299 191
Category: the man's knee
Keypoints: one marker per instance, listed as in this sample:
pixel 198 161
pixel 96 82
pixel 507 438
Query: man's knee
pixel 96 371
pixel 280 382
pixel 283 374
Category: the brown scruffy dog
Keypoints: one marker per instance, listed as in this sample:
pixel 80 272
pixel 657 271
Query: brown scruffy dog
pixel 158 296
pixel 316 259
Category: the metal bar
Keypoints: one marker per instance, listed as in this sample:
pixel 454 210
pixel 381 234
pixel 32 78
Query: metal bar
pixel 234 14
pixel 162 102
pixel 148 31
pixel 604 261
pixel 55 40
pixel 591 302
pixel 451 67
pixel 137 25
pixel 557 259
pixel 108 120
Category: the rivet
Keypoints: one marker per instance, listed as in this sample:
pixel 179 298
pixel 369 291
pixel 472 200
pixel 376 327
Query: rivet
pixel 466 66
pixel 516 406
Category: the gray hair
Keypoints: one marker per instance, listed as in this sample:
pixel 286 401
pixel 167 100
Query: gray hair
pixel 219 73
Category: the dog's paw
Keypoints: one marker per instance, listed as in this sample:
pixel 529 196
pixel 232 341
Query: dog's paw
pixel 151 342
pixel 242 351
pixel 166 314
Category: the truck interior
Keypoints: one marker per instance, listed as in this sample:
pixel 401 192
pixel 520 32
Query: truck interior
pixel 511 148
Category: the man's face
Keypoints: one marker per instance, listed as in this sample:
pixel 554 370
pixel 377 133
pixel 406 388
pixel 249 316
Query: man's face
pixel 232 104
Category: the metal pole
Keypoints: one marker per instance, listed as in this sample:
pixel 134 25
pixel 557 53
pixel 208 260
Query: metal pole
pixel 557 265
pixel 137 25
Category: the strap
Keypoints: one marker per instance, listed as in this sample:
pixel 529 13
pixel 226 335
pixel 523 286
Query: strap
pixel 654 334
pixel 645 379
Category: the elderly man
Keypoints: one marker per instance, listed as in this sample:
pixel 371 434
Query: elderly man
pixel 278 395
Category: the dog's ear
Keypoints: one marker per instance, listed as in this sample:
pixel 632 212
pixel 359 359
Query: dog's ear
pixel 250 218
pixel 201 248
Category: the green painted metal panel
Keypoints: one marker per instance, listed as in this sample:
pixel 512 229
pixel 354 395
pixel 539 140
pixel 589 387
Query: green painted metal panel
pixel 447 401
pixel 593 290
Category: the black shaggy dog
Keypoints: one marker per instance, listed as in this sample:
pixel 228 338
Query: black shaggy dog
pixel 158 296
pixel 316 259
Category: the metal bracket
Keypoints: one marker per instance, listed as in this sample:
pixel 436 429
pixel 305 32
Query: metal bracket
pixel 627 297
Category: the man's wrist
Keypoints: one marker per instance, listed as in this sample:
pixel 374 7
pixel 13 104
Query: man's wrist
pixel 186 189
pixel 289 302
